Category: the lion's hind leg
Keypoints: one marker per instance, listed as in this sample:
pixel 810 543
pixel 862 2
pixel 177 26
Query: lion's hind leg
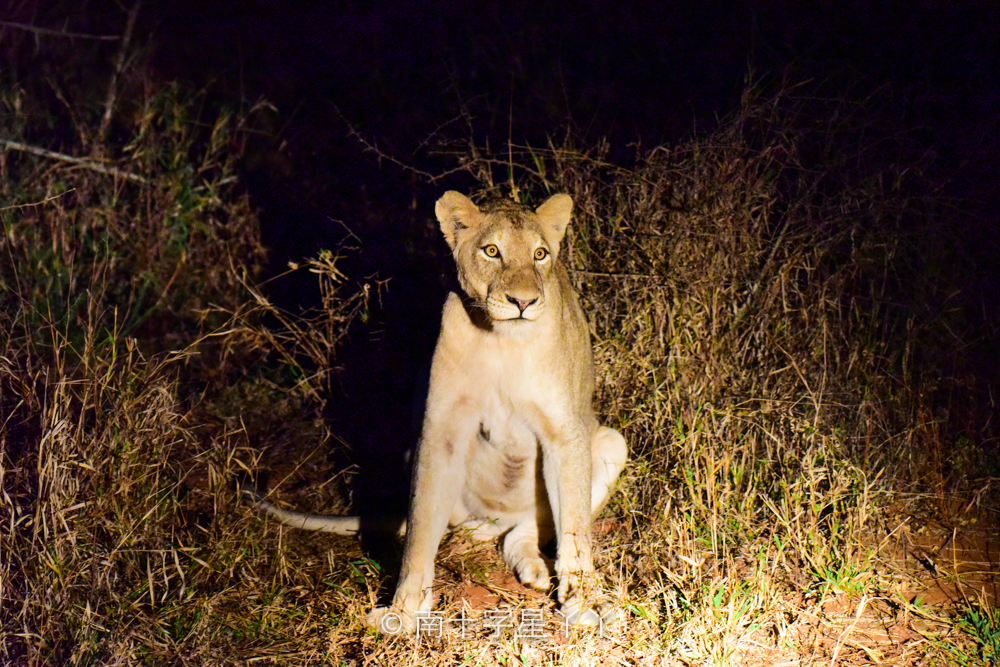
pixel 609 453
pixel 520 552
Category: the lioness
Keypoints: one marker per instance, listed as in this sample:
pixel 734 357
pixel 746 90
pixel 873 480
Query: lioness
pixel 510 443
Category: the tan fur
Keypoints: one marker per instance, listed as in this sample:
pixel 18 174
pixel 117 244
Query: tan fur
pixel 510 443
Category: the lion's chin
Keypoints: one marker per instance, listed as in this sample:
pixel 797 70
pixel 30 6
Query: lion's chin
pixel 515 320
pixel 513 315
pixel 517 327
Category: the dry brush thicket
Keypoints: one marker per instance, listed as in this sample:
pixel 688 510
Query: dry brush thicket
pixel 773 334
pixel 780 339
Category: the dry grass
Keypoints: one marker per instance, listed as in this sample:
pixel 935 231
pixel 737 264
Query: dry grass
pixel 759 300
pixel 767 338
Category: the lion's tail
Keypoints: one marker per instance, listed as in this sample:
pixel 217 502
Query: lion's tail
pixel 339 525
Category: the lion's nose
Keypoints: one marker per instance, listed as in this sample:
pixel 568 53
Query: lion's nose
pixel 521 303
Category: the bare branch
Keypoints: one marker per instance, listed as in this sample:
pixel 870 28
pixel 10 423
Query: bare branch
pixel 37 203
pixel 369 146
pixel 109 103
pixel 372 147
pixel 87 164
pixel 58 33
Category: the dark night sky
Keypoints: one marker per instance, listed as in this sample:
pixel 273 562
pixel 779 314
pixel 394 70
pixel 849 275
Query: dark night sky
pixel 403 72
pixel 651 70
pixel 648 72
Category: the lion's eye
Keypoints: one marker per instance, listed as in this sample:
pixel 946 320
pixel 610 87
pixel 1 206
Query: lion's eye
pixel 541 254
pixel 491 251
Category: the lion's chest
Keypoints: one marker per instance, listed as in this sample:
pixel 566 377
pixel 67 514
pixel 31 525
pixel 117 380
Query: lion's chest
pixel 495 393
pixel 502 460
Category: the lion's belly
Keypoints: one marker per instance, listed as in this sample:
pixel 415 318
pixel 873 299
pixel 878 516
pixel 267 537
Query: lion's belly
pixel 503 477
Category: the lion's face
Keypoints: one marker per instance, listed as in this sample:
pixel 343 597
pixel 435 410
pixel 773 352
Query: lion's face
pixel 505 268
pixel 505 252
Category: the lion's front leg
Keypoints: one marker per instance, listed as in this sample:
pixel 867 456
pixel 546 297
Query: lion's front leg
pixel 566 467
pixel 438 478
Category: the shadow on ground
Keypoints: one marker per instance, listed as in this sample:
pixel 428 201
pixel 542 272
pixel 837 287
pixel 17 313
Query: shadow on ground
pixel 376 398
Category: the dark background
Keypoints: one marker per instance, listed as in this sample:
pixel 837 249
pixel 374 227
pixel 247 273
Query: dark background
pixel 411 76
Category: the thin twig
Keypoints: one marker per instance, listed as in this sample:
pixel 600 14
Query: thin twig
pixel 604 274
pixel 760 276
pixel 109 103
pixel 58 33
pixel 382 155
pixel 37 203
pixel 87 164
pixel 848 630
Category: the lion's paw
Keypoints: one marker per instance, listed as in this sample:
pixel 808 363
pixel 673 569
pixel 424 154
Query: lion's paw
pixel 390 621
pixel 578 613
pixel 534 572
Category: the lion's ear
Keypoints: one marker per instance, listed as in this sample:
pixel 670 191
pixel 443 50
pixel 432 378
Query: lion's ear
pixel 554 215
pixel 455 212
